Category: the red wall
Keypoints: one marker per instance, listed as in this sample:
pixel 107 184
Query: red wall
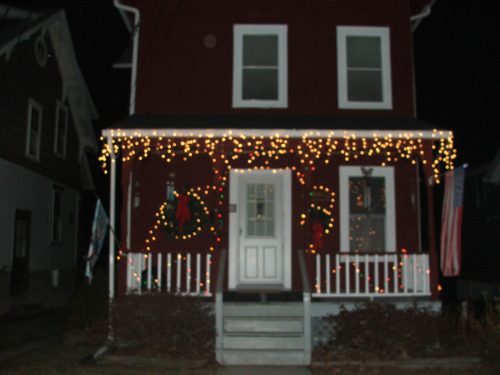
pixel 177 73
pixel 151 174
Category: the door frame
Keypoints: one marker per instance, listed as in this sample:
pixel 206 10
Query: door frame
pixel 234 224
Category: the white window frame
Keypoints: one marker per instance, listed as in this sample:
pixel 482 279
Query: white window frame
pixel 33 106
pixel 383 33
pixel 56 190
pixel 238 32
pixel 61 108
pixel 390 204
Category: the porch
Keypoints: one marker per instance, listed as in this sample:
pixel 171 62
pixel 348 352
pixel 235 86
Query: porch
pixel 333 275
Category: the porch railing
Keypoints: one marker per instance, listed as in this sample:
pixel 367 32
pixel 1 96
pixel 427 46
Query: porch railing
pixel 366 275
pixel 185 274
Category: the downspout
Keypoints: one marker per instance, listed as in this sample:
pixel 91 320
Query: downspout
pixel 12 13
pixel 415 21
pixel 135 52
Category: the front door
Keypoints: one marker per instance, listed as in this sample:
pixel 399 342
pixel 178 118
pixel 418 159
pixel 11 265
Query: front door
pixel 20 254
pixel 260 221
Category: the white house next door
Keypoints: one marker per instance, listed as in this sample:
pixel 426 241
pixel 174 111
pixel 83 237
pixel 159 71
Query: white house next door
pixel 260 229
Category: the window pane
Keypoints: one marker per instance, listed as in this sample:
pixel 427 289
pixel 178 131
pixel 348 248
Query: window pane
pixel 57 209
pixel 61 131
pixel 260 210
pixel 363 52
pixel 367 214
pixel 365 86
pixel 367 233
pixel 367 195
pixel 33 145
pixel 260 84
pixel 35 120
pixel 270 227
pixel 250 228
pixel 260 50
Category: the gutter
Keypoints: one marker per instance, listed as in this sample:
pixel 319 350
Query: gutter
pixel 135 52
pixel 12 13
pixel 417 18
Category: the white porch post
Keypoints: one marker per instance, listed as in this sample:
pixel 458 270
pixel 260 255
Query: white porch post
pixel 112 196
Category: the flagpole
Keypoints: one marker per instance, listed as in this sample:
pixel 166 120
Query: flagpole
pixel 112 203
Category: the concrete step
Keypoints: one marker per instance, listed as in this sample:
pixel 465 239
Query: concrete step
pixel 259 342
pixel 264 324
pixel 264 357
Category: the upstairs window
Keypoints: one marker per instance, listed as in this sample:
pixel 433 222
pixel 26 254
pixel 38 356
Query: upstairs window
pixel 61 130
pixel 34 129
pixel 367 209
pixel 364 67
pixel 260 66
pixel 56 227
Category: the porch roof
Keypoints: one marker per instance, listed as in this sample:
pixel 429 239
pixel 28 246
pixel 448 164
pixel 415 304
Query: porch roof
pixel 181 125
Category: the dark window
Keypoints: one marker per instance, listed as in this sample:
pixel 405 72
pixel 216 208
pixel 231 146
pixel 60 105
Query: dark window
pixel 34 129
pixel 57 215
pixel 61 130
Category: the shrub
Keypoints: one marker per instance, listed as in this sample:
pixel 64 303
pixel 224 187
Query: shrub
pixel 381 331
pixel 164 324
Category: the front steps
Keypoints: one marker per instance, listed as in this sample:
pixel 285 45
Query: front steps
pixel 263 333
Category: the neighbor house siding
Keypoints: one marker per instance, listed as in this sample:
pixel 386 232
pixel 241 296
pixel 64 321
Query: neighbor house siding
pixel 22 79
pixel 28 191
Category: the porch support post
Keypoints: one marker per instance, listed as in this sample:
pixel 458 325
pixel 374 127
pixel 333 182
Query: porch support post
pixel 112 202
pixel 431 226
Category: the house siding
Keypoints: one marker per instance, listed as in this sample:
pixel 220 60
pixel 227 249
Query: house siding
pixel 23 78
pixel 149 190
pixel 178 73
pixel 18 192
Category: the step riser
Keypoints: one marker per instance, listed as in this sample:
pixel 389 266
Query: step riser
pixel 269 358
pixel 249 325
pixel 263 342
pixel 263 310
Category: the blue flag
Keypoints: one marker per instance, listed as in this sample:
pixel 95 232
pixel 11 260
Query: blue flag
pixel 99 229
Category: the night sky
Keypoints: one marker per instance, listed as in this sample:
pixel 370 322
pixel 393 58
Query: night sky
pixel 457 59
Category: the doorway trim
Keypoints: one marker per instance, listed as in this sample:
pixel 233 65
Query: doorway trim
pixel 234 224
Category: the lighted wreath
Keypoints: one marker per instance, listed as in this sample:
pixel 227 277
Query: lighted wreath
pixel 195 219
pixel 184 215
pixel 319 217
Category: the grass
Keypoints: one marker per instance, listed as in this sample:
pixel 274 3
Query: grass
pixel 17 331
pixel 65 357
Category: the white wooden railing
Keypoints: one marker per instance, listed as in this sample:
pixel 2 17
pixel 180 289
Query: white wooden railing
pixel 186 274
pixel 366 275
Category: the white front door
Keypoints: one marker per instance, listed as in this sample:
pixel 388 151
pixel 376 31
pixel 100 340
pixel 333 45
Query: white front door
pixel 260 223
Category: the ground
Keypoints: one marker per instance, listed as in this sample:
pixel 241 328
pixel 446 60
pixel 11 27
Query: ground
pixel 62 350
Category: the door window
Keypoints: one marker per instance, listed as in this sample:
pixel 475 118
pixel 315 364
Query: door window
pixel 260 210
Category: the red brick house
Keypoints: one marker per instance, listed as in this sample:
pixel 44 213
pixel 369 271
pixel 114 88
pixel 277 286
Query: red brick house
pixel 273 152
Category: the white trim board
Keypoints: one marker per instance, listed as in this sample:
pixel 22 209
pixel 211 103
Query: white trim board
pixel 280 31
pixel 343 32
pixel 390 224
pixel 234 223
pixel 291 133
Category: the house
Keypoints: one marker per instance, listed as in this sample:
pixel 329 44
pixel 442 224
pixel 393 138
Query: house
pixel 479 279
pixel 273 162
pixel 45 133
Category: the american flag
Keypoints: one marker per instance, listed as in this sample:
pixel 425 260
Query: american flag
pixel 451 222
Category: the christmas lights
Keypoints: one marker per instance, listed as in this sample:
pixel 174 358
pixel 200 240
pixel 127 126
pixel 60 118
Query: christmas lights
pixel 310 147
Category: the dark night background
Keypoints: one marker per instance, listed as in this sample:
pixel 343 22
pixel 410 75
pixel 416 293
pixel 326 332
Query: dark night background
pixel 457 64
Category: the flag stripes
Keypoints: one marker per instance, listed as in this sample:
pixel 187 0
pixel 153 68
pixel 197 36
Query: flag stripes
pixel 451 222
